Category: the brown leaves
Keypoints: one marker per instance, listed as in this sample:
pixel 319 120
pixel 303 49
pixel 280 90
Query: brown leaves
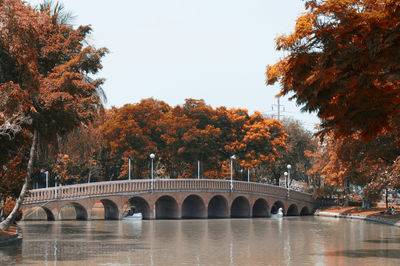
pixel 183 135
pixel 342 55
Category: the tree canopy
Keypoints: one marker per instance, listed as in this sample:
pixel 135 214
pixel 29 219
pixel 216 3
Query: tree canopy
pixel 343 62
pixel 46 87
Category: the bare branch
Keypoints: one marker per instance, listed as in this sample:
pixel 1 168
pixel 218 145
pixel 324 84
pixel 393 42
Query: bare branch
pixel 11 126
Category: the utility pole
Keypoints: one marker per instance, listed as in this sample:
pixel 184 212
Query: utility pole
pixel 280 108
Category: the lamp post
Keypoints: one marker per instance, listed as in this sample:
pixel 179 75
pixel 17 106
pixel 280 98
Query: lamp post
pixel 288 179
pixel 152 156
pixel 233 157
pixel 47 178
pixel 129 173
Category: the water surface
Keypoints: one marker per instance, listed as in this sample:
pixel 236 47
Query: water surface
pixel 265 241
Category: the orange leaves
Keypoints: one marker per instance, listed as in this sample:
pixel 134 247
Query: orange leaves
pixel 341 55
pixel 45 62
pixel 183 135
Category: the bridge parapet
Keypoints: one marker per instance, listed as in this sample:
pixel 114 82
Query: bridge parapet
pixel 145 186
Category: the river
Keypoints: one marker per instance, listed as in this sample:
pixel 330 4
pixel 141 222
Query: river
pixel 265 241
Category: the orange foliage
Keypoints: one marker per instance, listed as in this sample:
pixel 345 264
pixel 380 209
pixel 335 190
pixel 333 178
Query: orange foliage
pixel 192 132
pixel 343 62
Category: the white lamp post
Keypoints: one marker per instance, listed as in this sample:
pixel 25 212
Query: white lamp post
pixel 129 173
pixel 288 179
pixel 47 178
pixel 152 156
pixel 233 157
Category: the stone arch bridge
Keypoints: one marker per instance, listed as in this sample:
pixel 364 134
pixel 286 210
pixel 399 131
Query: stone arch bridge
pixel 169 199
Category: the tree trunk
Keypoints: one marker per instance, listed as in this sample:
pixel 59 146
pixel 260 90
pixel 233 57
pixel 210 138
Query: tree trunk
pixel 11 217
pixel 366 204
pixel 2 206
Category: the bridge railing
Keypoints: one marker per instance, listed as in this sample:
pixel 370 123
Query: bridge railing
pixel 129 186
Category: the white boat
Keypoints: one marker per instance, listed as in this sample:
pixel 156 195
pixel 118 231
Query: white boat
pixel 135 216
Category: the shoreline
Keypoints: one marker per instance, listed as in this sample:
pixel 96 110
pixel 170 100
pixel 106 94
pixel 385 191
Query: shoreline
pixel 10 237
pixel 358 216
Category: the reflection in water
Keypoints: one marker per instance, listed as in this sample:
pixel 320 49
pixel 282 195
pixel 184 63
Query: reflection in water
pixel 287 241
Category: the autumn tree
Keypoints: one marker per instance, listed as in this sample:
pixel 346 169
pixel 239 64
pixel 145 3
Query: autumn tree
pixel 299 141
pixel 45 69
pixel 132 133
pixel 343 63
pixel 263 142
pixel 351 161
pixel 190 135
pixel 187 134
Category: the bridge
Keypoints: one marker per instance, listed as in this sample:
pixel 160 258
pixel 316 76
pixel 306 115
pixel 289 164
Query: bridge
pixel 169 199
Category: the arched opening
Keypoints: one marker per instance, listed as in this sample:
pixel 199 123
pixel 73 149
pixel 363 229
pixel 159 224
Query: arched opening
pixel 167 208
pixel 104 209
pixel 193 207
pixel 38 214
pixel 260 208
pixel 240 208
pixel 292 210
pixel 218 207
pixel 73 211
pixel 278 204
pixel 304 211
pixel 140 205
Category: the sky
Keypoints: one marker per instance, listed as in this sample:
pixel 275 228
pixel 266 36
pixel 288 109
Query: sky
pixel 216 50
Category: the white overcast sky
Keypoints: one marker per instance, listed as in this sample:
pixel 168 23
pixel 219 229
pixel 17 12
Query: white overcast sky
pixel 216 50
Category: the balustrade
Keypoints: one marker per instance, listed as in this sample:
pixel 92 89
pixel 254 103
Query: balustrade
pixel 115 187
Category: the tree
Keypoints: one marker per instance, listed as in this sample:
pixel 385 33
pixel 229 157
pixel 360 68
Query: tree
pixel 298 141
pixel 343 62
pixel 351 161
pixel 263 141
pixel 132 132
pixel 44 73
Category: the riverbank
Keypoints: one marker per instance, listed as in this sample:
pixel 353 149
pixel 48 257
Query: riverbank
pixel 377 215
pixel 11 236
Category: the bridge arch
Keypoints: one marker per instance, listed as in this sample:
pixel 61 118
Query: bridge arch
pixel 305 211
pixel 193 207
pixel 36 213
pixel 218 207
pixel 111 211
pixel 292 210
pixel 261 208
pixel 80 211
pixel 167 208
pixel 240 207
pixel 141 205
pixel 275 207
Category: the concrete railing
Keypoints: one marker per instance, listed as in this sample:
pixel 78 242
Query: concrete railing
pixel 176 185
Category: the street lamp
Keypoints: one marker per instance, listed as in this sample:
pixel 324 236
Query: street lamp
pixel 288 168
pixel 233 157
pixel 152 156
pixel 47 179
pixel 288 179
